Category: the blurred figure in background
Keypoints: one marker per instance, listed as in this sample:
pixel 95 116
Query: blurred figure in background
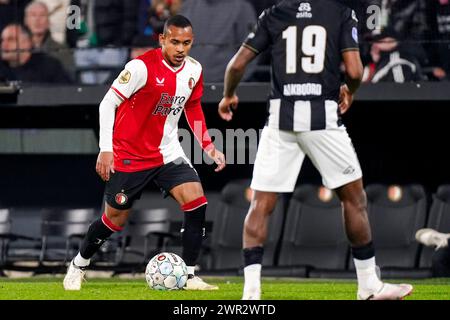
pixel 159 12
pixel 406 18
pixel 57 18
pixel 154 13
pixel 441 257
pixel 406 22
pixel 391 60
pixel 21 64
pixel 221 27
pixel 108 27
pixel 439 51
pixel 115 22
pixel 38 22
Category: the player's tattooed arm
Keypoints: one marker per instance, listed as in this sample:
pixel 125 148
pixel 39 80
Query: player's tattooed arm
pixel 233 75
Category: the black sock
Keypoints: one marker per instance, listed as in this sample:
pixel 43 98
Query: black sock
pixel 97 234
pixel 253 255
pixel 364 252
pixel 192 234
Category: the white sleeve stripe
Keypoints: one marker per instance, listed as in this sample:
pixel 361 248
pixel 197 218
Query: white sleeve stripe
pixel 107 115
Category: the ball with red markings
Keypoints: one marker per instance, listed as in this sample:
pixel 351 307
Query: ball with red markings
pixel 166 271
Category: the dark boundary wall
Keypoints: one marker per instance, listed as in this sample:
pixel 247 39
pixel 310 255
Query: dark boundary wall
pixel 398 141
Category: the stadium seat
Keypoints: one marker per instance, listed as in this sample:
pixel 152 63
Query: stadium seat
pixel 9 256
pixel 438 219
pixel 226 239
pixel 395 213
pixel 5 230
pixel 61 233
pixel 146 234
pixel 314 236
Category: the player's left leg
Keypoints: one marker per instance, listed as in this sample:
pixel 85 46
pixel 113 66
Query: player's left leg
pixel 121 191
pixel 277 165
pixel 193 202
pixel 254 238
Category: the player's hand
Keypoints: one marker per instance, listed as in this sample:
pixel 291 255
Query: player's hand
pixel 218 158
pixel 226 107
pixel 345 99
pixel 105 165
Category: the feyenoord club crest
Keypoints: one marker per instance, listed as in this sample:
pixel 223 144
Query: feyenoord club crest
pixel 121 198
pixel 191 83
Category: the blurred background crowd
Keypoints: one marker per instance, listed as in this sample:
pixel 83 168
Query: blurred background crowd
pixel 89 41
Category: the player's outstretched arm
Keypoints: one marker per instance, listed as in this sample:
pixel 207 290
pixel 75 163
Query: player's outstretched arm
pixel 196 120
pixel 353 77
pixel 233 75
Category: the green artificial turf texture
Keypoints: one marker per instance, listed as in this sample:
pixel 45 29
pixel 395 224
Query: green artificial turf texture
pixel 50 288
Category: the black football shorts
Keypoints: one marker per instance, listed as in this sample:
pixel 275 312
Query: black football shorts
pixel 123 188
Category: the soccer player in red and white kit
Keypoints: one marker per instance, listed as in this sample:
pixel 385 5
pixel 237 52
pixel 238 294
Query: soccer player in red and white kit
pixel 139 143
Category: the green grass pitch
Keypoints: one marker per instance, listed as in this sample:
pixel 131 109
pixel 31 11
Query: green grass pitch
pixel 50 288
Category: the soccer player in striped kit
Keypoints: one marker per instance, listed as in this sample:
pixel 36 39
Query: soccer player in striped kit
pixel 139 143
pixel 309 40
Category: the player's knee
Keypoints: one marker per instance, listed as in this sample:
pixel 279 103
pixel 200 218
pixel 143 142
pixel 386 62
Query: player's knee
pixel 117 217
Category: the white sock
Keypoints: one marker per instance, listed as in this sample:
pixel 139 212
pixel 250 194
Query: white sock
pixel 252 276
pixel 79 261
pixel 367 275
pixel 191 270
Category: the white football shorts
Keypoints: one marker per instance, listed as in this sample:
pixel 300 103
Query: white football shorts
pixel 281 153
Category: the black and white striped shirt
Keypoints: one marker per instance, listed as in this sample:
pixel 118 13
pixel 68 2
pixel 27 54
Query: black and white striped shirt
pixel 306 39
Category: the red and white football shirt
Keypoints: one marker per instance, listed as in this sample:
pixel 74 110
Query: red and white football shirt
pixel 154 96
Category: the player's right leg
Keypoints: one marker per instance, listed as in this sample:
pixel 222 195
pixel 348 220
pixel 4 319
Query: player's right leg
pixel 277 165
pixel 254 237
pixel 121 191
pixel 113 220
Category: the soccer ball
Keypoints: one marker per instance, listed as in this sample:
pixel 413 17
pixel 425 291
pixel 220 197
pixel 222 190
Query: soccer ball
pixel 166 271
